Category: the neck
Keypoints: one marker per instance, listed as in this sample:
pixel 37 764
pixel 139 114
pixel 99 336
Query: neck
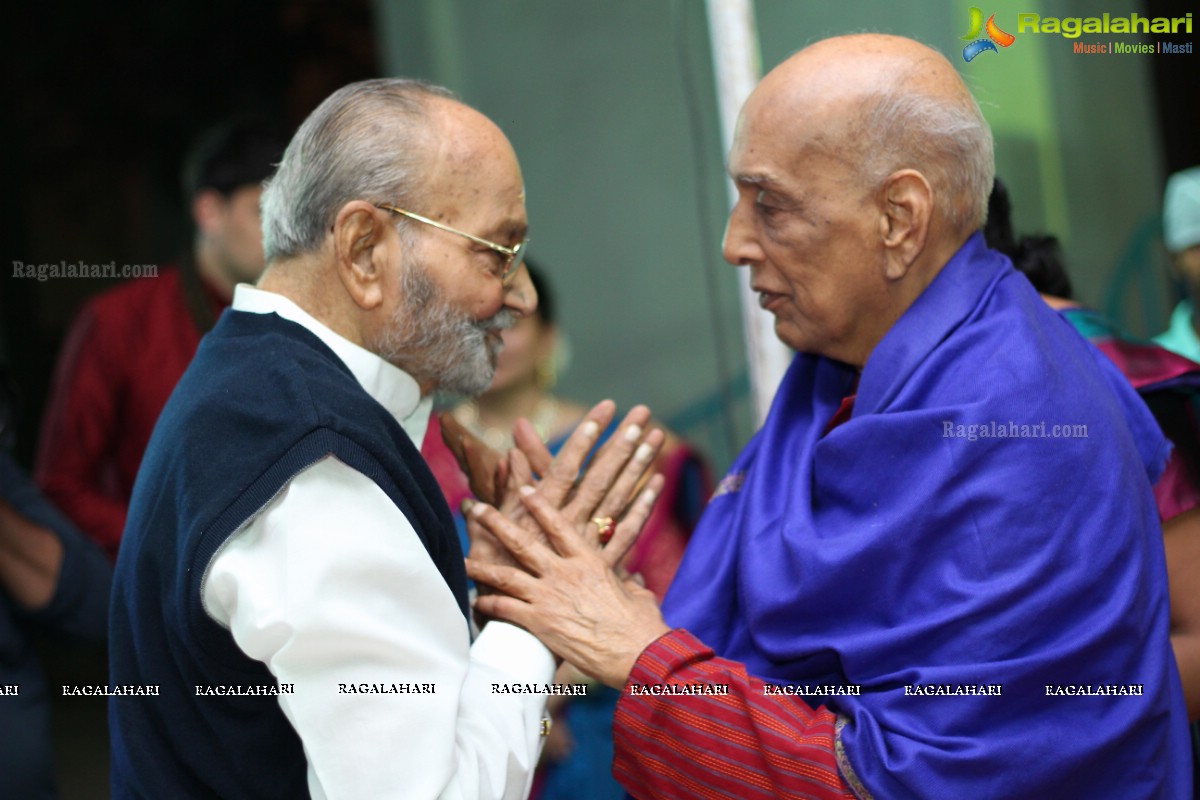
pixel 501 408
pixel 492 417
pixel 311 284
pixel 903 293
pixel 305 283
pixel 1058 303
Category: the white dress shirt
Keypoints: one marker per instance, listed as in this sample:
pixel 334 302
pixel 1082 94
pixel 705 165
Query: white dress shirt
pixel 330 587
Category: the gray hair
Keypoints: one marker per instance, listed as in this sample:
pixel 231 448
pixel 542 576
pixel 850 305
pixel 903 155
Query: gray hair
pixel 364 142
pixel 946 140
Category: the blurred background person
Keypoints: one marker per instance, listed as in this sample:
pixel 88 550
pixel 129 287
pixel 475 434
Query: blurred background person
pixel 577 759
pixel 1181 235
pixel 54 581
pixel 1170 386
pixel 129 346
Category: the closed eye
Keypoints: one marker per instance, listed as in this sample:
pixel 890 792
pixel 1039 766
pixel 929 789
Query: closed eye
pixel 499 261
pixel 767 207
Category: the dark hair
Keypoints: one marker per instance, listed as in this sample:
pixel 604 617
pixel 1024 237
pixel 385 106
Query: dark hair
pixel 545 306
pixel 236 153
pixel 1038 257
pixel 998 230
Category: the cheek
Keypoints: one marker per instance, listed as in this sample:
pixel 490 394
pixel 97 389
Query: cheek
pixel 805 272
pixel 825 290
pixel 254 237
pixel 467 289
pixel 516 345
pixel 514 337
pixel 245 232
pixel 485 304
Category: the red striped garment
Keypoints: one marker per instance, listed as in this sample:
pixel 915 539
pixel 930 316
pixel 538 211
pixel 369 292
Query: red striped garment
pixel 740 744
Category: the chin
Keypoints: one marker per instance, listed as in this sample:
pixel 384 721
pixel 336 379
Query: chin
pixel 500 381
pixel 796 340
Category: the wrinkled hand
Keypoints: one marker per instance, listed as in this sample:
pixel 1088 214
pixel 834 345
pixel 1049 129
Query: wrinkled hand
pixel 493 481
pixel 486 470
pixel 622 465
pixel 31 558
pixel 567 595
pixel 620 468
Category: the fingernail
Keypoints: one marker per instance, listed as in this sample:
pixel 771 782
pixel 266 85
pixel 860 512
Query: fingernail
pixel 591 428
pixel 643 452
pixel 467 505
pixel 526 490
pixel 633 433
pixel 477 509
pixel 648 496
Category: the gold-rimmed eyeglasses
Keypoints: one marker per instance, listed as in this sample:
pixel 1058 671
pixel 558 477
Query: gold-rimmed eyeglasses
pixel 512 256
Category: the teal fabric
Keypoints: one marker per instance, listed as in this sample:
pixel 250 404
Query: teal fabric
pixel 1181 337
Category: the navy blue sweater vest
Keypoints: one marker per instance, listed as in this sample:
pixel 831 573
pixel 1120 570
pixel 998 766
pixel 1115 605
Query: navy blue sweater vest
pixel 263 399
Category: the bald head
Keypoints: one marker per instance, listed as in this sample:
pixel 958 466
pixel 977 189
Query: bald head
pixel 465 152
pixel 862 164
pixel 885 103
pixel 863 63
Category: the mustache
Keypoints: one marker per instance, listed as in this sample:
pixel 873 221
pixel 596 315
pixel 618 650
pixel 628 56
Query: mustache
pixel 502 320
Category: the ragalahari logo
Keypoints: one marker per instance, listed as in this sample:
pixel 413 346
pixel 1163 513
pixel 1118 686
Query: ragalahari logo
pixel 994 34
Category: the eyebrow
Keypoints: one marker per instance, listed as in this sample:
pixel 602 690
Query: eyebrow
pixel 508 230
pixel 762 180
pixel 768 183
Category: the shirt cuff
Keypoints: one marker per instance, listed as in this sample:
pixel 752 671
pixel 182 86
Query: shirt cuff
pixel 513 651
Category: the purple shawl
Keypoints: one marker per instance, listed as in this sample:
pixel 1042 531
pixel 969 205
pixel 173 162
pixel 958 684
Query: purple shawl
pixel 908 548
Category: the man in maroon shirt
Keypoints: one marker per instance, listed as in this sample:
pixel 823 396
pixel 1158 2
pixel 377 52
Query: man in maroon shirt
pixel 129 346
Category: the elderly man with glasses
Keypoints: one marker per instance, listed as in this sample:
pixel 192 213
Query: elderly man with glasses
pixel 290 604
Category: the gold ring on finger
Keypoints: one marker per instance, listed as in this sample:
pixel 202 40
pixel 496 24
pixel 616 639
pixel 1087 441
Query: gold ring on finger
pixel 606 526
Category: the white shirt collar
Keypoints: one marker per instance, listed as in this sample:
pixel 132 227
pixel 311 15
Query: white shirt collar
pixel 391 386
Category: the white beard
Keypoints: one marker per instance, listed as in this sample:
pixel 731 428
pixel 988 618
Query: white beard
pixel 435 343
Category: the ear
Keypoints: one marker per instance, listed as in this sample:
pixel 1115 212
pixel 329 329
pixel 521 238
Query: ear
pixel 904 225
pixel 363 250
pixel 208 209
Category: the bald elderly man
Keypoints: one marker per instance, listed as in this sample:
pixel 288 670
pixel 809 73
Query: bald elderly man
pixel 289 613
pixel 937 570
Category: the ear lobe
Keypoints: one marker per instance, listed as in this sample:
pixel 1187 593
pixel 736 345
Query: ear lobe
pixel 908 204
pixel 361 253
